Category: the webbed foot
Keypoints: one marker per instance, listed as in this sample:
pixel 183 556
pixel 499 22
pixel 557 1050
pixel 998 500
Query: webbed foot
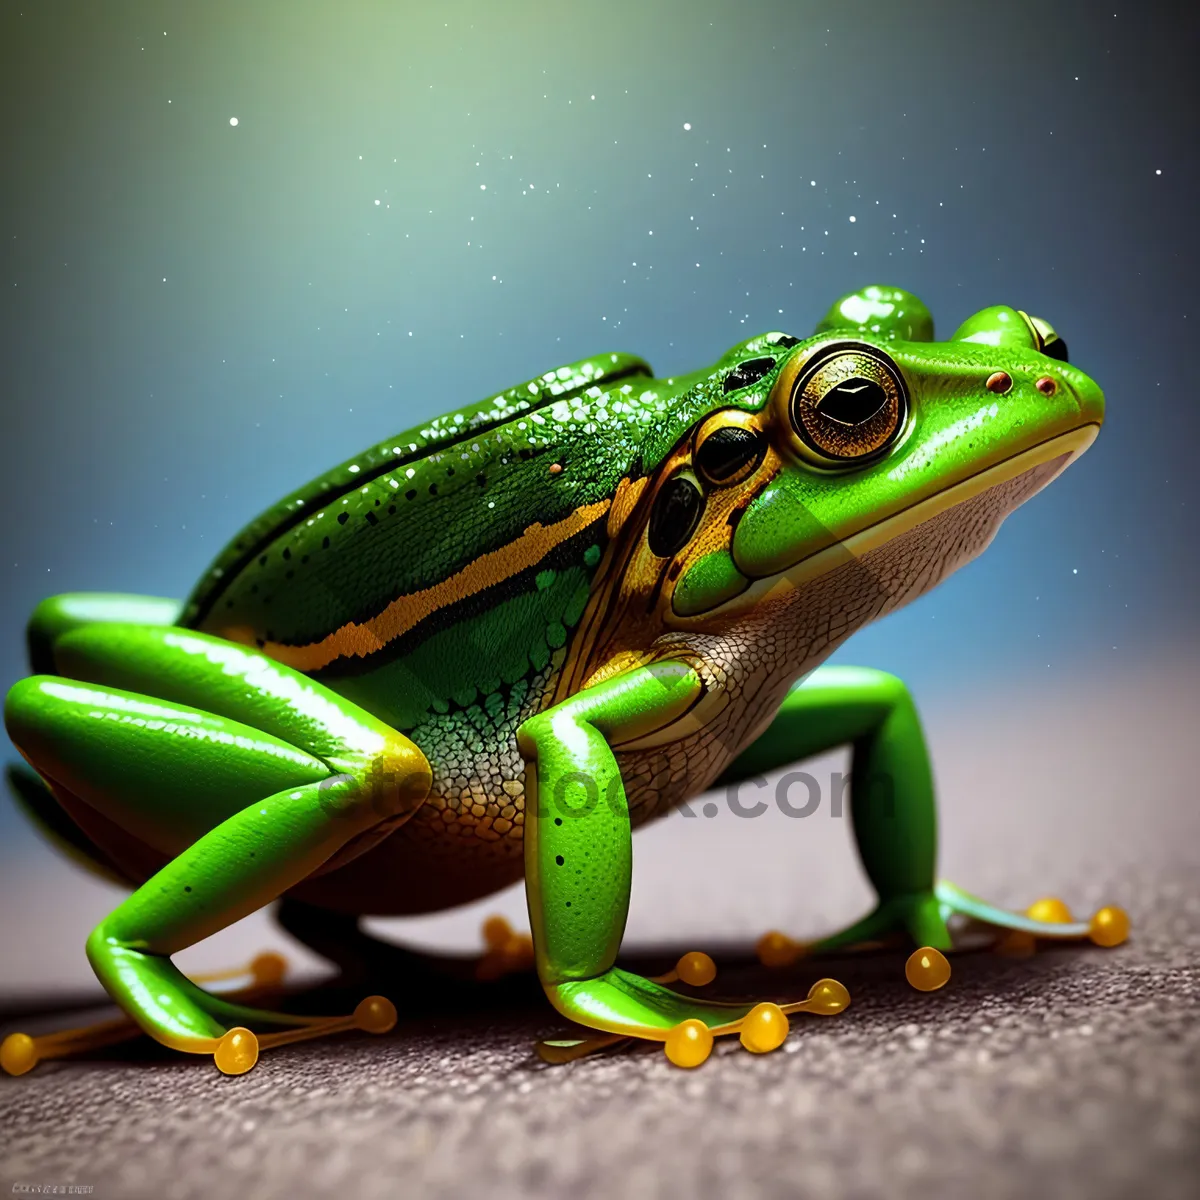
pixel 925 919
pixel 235 1049
pixel 625 1006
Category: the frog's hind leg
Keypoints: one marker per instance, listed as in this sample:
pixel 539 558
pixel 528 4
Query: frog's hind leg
pixel 245 808
pixel 895 822
pixel 53 618
pixel 45 811
pixel 59 615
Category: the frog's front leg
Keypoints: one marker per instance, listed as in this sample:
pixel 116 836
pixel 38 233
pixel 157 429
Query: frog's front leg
pixel 578 868
pixel 247 776
pixel 895 821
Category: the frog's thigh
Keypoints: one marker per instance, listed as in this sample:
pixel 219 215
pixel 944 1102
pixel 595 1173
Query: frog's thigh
pixel 163 773
pixel 892 800
pixel 238 682
pixel 58 615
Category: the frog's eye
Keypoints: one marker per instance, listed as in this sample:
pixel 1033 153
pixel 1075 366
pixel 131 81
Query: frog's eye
pixel 744 374
pixel 1048 341
pixel 728 448
pixel 674 517
pixel 849 405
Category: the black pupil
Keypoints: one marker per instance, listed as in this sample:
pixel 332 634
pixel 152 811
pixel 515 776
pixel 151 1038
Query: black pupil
pixel 1056 349
pixel 852 401
pixel 744 374
pixel 726 451
pixel 674 517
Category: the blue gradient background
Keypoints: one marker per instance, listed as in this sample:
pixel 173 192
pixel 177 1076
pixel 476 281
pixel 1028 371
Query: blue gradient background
pixel 422 204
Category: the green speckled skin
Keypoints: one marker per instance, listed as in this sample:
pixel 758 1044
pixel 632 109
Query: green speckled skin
pixel 343 547
pixel 493 645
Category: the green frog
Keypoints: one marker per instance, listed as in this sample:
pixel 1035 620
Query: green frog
pixel 488 648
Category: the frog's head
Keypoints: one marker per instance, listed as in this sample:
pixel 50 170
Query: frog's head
pixel 867 446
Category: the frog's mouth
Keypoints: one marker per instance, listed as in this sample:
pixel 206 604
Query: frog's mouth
pixel 1025 473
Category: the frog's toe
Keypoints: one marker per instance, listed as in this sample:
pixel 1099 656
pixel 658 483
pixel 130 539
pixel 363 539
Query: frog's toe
pixel 1047 919
pixel 264 971
pixel 505 950
pixel 237 1051
pixel 624 1006
pixel 694 968
pixel 927 969
pixel 890 921
pixel 234 1047
pixel 924 919
pixel 21 1052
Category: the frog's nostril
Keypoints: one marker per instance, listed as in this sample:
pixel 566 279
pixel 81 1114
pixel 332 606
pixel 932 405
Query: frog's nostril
pixel 1046 385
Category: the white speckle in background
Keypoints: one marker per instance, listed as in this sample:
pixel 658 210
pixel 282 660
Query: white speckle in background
pixel 687 124
pixel 233 120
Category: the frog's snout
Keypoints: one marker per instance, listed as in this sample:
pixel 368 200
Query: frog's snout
pixel 1090 397
pixel 1049 342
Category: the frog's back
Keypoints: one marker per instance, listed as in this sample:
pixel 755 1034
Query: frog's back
pixel 436 579
pixel 463 481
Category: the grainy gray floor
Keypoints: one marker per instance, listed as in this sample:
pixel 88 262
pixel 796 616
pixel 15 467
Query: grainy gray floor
pixel 1075 1073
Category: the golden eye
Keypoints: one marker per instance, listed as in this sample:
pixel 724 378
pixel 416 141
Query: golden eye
pixel 729 447
pixel 849 405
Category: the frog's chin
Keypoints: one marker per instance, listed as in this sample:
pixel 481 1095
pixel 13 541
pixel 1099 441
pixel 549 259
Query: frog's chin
pixel 1027 473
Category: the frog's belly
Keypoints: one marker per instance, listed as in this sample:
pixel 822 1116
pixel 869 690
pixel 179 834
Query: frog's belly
pixel 466 841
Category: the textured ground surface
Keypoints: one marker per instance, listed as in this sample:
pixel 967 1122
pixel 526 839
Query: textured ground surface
pixel 1075 1073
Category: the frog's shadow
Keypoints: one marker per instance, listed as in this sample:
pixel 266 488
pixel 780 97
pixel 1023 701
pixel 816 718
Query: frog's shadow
pixel 441 995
